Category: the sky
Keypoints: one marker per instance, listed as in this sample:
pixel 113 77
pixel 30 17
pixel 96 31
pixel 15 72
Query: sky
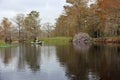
pixel 49 9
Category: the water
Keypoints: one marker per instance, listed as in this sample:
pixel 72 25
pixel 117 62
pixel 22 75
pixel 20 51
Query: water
pixel 52 62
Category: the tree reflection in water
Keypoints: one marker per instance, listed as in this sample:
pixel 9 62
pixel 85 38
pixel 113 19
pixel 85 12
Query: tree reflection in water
pixel 99 62
pixel 22 55
pixel 65 62
pixel 31 55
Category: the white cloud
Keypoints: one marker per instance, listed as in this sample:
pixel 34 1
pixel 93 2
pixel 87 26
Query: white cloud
pixel 49 9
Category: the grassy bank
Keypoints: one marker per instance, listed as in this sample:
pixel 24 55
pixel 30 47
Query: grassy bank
pixel 56 40
pixel 4 45
pixel 2 42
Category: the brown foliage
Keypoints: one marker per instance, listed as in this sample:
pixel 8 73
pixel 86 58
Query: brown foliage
pixel 106 4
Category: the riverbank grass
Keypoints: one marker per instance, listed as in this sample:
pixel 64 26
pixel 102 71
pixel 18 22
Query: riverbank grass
pixel 56 40
pixel 4 45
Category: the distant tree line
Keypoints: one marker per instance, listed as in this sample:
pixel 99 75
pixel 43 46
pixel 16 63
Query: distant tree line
pixel 21 27
pixel 99 19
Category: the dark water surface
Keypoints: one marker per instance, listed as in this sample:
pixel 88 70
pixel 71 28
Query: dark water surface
pixel 34 62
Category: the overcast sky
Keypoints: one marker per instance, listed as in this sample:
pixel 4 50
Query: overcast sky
pixel 49 9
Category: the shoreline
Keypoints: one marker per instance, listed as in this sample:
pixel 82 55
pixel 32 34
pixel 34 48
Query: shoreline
pixel 107 40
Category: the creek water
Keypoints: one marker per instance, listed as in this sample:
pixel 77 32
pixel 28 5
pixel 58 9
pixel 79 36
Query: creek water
pixel 60 62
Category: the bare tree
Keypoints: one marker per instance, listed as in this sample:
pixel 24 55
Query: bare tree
pixel 48 28
pixel 19 20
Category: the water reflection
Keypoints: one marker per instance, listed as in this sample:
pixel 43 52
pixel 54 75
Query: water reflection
pixel 34 62
pixel 81 46
pixel 93 76
pixel 29 54
pixel 21 56
pixel 30 62
pixel 101 62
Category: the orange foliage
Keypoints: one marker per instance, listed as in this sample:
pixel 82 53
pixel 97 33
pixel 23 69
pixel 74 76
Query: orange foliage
pixel 105 4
